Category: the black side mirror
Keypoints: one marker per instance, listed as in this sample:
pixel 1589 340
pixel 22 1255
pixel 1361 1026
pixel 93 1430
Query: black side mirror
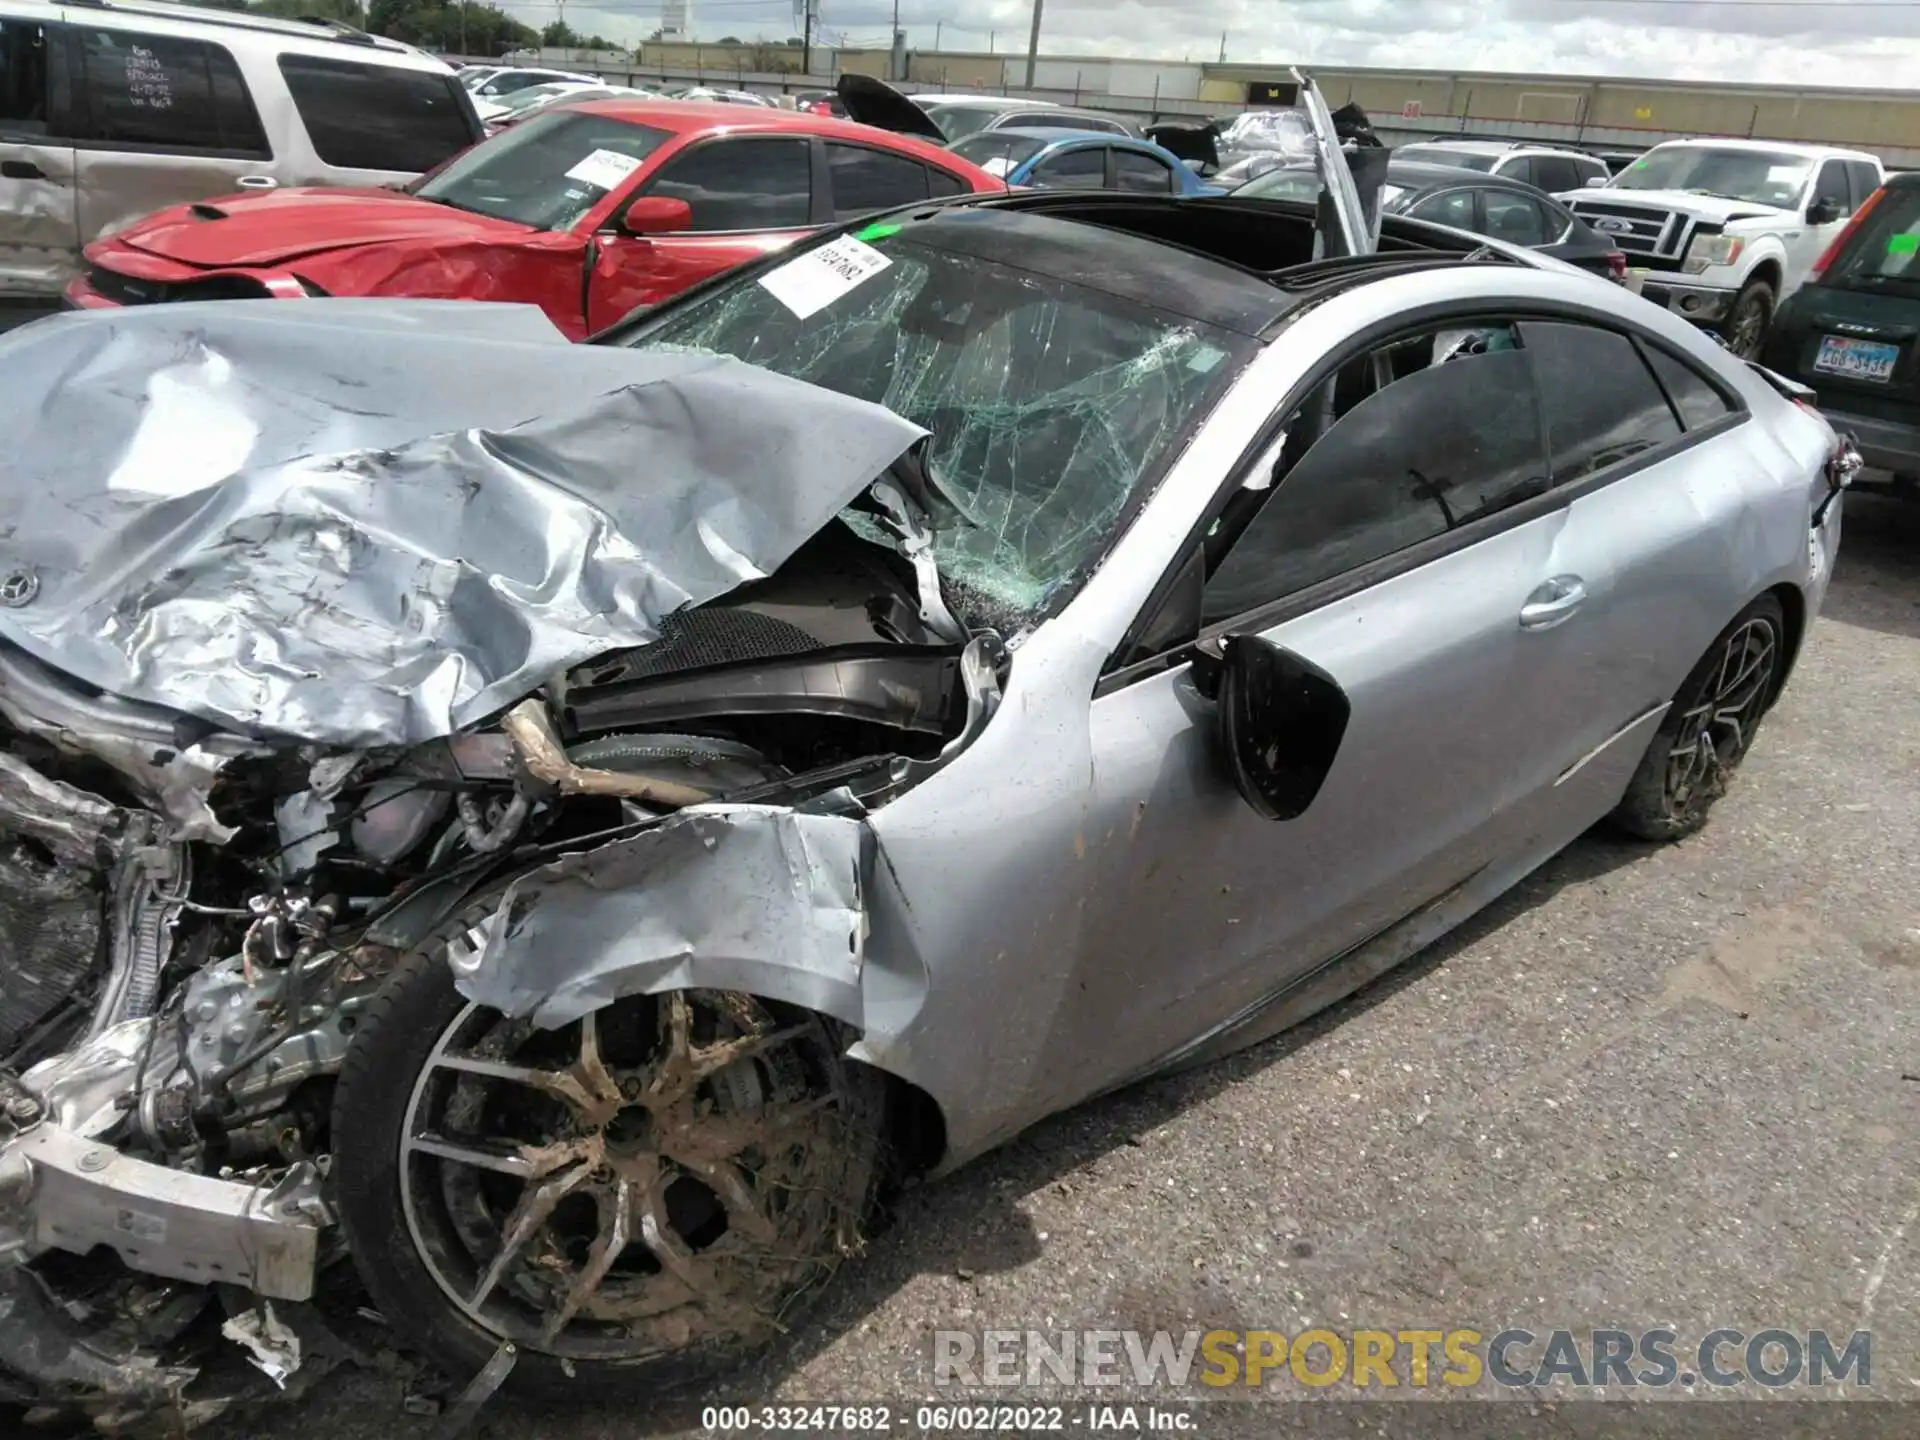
pixel 1281 720
pixel 1823 212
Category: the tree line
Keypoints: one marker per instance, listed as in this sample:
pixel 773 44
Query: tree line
pixel 455 26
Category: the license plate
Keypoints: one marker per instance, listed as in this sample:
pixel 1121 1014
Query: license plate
pixel 1856 359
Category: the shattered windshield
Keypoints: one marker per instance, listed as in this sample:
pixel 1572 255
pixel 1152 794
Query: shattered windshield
pixel 1773 178
pixel 548 171
pixel 1050 405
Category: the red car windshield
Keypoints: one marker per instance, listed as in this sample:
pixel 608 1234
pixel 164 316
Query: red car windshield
pixel 547 172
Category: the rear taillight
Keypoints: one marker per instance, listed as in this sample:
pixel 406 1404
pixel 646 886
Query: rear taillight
pixel 1617 265
pixel 1840 240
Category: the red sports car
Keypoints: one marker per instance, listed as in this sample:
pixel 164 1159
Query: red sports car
pixel 587 212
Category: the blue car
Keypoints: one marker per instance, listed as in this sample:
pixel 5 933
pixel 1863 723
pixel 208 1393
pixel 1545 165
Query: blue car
pixel 1051 159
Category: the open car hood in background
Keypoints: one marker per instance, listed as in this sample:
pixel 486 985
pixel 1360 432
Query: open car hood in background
pixel 876 103
pixel 1199 143
pixel 375 522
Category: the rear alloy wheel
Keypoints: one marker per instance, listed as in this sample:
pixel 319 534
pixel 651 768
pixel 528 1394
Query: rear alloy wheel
pixel 642 1196
pixel 1749 319
pixel 1708 730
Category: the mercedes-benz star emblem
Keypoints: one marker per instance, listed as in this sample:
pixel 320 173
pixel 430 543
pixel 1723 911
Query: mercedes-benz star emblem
pixel 18 588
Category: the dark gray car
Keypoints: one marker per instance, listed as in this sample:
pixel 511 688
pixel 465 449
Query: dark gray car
pixel 1466 200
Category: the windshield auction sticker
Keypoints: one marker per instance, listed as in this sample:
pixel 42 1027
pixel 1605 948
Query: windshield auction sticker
pixel 820 277
pixel 604 169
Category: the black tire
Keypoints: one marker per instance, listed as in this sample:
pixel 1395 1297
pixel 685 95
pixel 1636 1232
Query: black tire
pixel 1666 798
pixel 1749 319
pixel 836 1147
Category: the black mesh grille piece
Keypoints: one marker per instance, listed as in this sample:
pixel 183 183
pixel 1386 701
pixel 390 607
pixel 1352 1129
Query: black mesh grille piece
pixel 690 639
pixel 49 940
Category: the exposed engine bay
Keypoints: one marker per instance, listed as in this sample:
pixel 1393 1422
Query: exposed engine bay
pixel 199 906
pixel 176 1011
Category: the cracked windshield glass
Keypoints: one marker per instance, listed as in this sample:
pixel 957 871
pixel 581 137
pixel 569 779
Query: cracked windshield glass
pixel 1051 406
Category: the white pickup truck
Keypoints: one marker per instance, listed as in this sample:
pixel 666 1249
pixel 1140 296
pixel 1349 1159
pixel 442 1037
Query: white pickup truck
pixel 1724 230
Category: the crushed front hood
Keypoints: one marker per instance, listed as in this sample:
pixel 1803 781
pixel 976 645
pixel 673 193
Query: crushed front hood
pixel 366 522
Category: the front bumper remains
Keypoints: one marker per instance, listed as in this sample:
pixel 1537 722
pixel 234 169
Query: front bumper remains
pixel 62 1191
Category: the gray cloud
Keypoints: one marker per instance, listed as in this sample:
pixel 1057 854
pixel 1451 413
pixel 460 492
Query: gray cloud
pixel 1807 42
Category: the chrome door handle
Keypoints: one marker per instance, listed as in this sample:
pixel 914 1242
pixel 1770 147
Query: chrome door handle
pixel 257 182
pixel 1553 602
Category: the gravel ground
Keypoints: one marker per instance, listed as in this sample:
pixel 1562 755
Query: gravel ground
pixel 1655 1086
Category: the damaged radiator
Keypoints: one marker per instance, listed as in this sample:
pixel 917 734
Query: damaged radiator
pixel 50 936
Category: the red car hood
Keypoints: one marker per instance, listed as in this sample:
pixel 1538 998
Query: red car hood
pixel 286 224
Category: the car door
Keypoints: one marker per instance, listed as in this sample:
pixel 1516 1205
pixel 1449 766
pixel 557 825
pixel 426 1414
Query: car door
pixel 1555 174
pixel 1454 207
pixel 1139 173
pixel 864 178
pixel 1511 216
pixel 159 120
pixel 1831 187
pixel 39 236
pixel 1657 461
pixel 1074 167
pixel 1516 167
pixel 749 195
pixel 1404 543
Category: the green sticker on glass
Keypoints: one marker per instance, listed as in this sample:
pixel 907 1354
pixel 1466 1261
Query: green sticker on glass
pixel 879 231
pixel 1903 244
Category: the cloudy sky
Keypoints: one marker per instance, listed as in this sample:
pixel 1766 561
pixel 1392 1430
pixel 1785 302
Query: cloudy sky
pixel 1838 42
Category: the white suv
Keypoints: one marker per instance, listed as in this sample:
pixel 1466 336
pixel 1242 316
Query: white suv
pixel 1723 230
pixel 1546 167
pixel 110 111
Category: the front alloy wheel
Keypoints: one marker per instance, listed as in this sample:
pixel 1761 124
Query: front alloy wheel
pixel 639 1196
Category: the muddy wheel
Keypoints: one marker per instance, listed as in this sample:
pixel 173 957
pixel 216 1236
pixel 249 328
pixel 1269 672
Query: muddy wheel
pixel 1748 319
pixel 641 1197
pixel 1707 731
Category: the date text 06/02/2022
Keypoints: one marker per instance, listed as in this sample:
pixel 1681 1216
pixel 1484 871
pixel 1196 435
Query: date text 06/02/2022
pixel 961 1419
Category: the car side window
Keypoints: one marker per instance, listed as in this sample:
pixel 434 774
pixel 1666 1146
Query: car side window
pixel 1450 207
pixel 23 79
pixel 1043 120
pixel 865 180
pixel 1404 444
pixel 1590 169
pixel 942 182
pixel 1866 180
pixel 163 92
pixel 376 117
pixel 1083 169
pixel 1142 174
pixel 1602 403
pixel 1832 185
pixel 742 184
pixel 1697 401
pixel 1554 173
pixel 1513 218
pixel 1520 168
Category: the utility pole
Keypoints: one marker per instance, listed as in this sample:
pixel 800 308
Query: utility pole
pixel 893 44
pixel 806 37
pixel 936 33
pixel 1223 47
pixel 1033 40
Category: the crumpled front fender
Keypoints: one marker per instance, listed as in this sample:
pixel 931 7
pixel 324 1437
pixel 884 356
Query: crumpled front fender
pixel 756 898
